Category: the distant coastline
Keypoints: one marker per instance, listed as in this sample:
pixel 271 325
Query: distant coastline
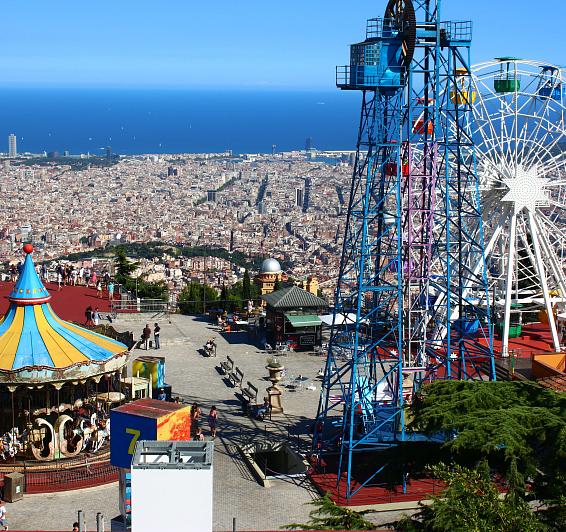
pixel 163 121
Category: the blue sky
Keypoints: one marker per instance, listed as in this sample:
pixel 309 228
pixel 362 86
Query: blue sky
pixel 287 44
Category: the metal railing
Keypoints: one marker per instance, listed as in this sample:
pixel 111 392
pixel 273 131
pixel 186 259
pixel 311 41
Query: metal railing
pixel 64 475
pixel 362 76
pixel 456 30
pixel 377 28
pixel 126 302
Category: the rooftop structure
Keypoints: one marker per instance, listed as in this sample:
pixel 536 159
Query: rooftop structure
pixel 12 145
pixel 293 297
pixel 271 266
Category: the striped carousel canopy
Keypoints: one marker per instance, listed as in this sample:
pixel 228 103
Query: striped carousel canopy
pixel 35 341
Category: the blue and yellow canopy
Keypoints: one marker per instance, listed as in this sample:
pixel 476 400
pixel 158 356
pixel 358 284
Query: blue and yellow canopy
pixel 34 341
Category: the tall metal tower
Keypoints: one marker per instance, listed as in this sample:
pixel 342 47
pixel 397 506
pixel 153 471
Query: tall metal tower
pixel 411 302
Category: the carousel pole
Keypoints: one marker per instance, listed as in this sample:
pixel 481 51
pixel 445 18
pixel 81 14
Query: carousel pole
pixel 56 442
pixel 12 389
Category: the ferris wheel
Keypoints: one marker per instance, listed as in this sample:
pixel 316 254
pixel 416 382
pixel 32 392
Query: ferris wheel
pixel 520 136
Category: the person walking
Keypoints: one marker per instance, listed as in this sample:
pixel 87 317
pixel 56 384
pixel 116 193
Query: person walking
pixel 146 335
pixel 212 418
pixel 96 317
pixel 59 279
pixel 3 512
pixel 195 417
pixel 111 291
pixel 156 331
pixel 88 315
pixel 99 289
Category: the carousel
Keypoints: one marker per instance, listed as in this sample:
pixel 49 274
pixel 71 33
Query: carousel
pixel 57 380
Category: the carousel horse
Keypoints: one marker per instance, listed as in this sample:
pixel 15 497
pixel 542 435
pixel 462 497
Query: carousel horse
pixel 68 446
pixel 47 450
pixel 102 434
pixel 61 437
pixel 10 444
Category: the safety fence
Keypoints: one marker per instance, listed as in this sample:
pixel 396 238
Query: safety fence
pixel 64 475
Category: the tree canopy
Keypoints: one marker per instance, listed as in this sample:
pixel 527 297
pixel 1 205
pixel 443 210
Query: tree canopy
pixel 519 428
pixel 327 515
pixel 142 288
pixel 503 421
pixel 471 501
pixel 196 297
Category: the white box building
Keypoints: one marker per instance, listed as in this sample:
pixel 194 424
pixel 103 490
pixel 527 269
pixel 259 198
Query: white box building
pixel 172 486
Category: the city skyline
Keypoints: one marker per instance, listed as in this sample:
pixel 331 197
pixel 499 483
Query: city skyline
pixel 225 45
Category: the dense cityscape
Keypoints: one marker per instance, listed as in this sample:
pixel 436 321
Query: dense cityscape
pixel 290 206
pixel 232 300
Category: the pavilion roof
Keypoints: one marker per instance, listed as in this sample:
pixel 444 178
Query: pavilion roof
pixel 293 297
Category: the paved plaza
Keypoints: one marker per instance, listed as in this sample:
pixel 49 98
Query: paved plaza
pixel 196 378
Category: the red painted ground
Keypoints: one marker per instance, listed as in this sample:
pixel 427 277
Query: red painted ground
pixel 416 491
pixel 69 303
pixel 535 338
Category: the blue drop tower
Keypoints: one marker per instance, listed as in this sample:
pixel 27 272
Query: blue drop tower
pixel 412 269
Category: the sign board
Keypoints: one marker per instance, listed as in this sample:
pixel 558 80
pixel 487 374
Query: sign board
pixel 146 419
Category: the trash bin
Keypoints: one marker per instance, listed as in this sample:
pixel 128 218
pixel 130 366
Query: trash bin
pixel 13 487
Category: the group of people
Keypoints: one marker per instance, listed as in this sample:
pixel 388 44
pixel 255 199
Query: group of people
pixel 196 429
pixel 92 316
pixel 66 275
pixel 146 335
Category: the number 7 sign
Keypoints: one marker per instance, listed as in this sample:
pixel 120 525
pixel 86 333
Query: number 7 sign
pixel 145 419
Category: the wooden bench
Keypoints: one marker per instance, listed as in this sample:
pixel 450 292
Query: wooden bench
pixel 227 366
pixel 236 377
pixel 250 394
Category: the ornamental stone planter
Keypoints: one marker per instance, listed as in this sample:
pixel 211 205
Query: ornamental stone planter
pixel 274 392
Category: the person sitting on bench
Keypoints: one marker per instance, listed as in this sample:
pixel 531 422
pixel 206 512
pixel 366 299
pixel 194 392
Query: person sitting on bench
pixel 262 410
pixel 210 347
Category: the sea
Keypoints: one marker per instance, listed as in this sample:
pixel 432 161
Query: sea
pixel 135 121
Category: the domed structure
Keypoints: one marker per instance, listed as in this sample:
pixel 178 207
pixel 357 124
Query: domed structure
pixel 269 276
pixel 270 266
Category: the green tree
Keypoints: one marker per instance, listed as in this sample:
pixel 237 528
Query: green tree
pixel 146 290
pixel 519 427
pixel 503 421
pixel 194 296
pixel 327 515
pixel 141 287
pixel 471 502
pixel 224 295
pixel 124 267
pixel 246 289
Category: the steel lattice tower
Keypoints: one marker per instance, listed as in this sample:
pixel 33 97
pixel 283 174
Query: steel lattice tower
pixel 411 302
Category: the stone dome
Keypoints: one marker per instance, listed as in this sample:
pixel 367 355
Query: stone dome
pixel 270 266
